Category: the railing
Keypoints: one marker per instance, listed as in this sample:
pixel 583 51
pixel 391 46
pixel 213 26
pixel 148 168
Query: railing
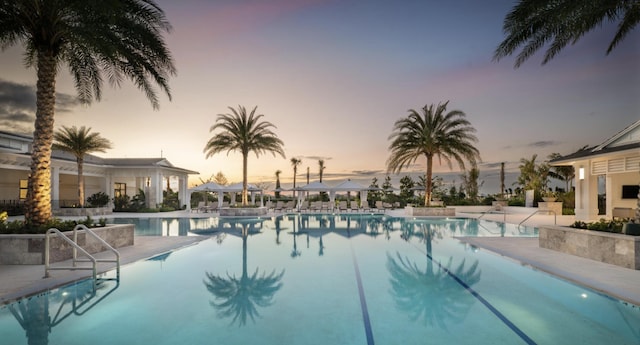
pixel 555 216
pixel 497 210
pixel 76 247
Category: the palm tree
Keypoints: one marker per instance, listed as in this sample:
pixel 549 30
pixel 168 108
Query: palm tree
pixel 564 173
pixel 245 133
pixel 321 168
pixel 103 39
pixel 294 163
pixel 79 142
pixel 533 176
pixel 433 134
pixel 278 172
pixel 532 24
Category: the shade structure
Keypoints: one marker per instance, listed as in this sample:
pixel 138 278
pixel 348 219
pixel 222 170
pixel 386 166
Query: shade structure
pixel 311 187
pixel 251 189
pixel 348 186
pixel 208 187
pixel 315 187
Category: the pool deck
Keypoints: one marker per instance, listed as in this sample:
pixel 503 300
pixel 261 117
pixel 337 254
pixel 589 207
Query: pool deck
pixel 17 281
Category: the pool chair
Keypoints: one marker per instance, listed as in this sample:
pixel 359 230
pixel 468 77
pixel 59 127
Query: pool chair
pixel 353 206
pixel 365 207
pixel 279 206
pixel 200 207
pixel 342 206
pixel 325 206
pixel 290 206
pixel 316 206
pixel 379 206
pixel 213 207
pixel 304 207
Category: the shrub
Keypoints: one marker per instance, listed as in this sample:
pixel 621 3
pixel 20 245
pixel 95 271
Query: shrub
pixel 601 225
pixel 99 199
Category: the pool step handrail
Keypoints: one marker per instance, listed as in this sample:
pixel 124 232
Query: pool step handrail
pixel 76 247
pixel 555 216
pixel 497 210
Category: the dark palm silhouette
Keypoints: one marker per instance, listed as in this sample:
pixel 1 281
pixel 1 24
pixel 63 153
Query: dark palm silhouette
pixel 432 295
pixel 240 298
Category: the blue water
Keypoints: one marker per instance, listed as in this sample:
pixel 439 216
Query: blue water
pixel 324 280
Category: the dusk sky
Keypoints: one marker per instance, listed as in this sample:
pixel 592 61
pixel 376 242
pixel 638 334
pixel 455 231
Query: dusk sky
pixel 334 76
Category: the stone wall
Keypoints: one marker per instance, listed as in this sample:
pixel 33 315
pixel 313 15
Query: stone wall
pixel 616 249
pixel 430 211
pixel 82 212
pixel 29 249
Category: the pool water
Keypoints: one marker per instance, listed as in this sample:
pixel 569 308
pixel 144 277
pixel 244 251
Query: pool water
pixel 323 279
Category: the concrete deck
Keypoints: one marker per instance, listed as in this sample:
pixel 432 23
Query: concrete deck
pixel 21 281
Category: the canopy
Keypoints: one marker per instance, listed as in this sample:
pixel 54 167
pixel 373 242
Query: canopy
pixel 208 187
pixel 237 187
pixel 315 187
pixel 348 186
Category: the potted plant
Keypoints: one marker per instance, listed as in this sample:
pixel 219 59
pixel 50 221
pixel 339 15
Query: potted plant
pixel 549 196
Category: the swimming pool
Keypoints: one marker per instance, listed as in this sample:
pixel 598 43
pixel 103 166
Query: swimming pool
pixel 323 279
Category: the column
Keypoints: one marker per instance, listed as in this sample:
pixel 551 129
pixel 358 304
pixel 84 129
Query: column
pixel 586 194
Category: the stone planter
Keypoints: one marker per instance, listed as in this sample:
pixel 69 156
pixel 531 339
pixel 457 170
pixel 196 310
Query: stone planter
pixel 82 212
pixel 430 211
pixel 549 198
pixel 243 212
pixel 28 249
pixel 616 249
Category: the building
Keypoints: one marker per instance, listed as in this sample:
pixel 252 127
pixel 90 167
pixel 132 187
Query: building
pixel 113 176
pixel 614 166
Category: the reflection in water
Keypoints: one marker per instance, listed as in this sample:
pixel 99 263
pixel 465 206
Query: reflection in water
pixel 34 314
pixel 432 295
pixel 239 298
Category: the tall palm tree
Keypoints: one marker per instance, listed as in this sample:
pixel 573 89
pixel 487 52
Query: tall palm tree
pixel 278 172
pixel 435 133
pixel 532 24
pixel 79 142
pixel 321 168
pixel 113 39
pixel 294 163
pixel 243 132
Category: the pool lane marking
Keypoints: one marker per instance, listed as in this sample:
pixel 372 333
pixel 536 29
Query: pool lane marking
pixel 486 303
pixel 363 301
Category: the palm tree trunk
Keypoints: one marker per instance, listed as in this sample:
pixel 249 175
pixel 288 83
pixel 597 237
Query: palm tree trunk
pixel 428 183
pixel 245 201
pixel 38 204
pixel 80 182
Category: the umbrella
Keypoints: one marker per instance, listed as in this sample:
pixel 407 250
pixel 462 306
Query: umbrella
pixel 208 187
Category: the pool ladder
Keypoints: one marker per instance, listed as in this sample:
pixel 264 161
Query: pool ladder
pixel 77 248
pixel 555 216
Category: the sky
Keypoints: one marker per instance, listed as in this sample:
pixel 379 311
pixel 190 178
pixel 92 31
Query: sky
pixel 334 76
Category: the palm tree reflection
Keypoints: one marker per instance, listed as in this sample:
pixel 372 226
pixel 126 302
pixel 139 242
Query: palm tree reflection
pixel 432 295
pixel 240 298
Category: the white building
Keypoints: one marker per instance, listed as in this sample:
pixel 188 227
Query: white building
pixel 113 176
pixel 616 164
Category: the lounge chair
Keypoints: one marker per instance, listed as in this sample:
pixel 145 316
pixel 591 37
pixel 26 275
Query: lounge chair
pixel 279 206
pixel 304 206
pixel 290 205
pixel 325 206
pixel 365 206
pixel 212 207
pixel 353 206
pixel 200 208
pixel 379 206
pixel 342 206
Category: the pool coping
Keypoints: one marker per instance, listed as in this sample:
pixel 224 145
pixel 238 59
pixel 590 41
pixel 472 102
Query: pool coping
pixel 615 281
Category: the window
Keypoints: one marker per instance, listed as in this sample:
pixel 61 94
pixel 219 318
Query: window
pixel 23 189
pixel 120 189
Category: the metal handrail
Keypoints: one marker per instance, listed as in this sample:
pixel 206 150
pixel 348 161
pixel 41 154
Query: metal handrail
pixel 99 239
pixel 47 266
pixel 76 247
pixel 555 216
pixel 504 213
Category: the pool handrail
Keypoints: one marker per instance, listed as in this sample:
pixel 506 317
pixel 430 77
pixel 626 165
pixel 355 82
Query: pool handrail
pixel 555 216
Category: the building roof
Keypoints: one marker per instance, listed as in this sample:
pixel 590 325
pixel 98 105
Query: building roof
pixel 627 139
